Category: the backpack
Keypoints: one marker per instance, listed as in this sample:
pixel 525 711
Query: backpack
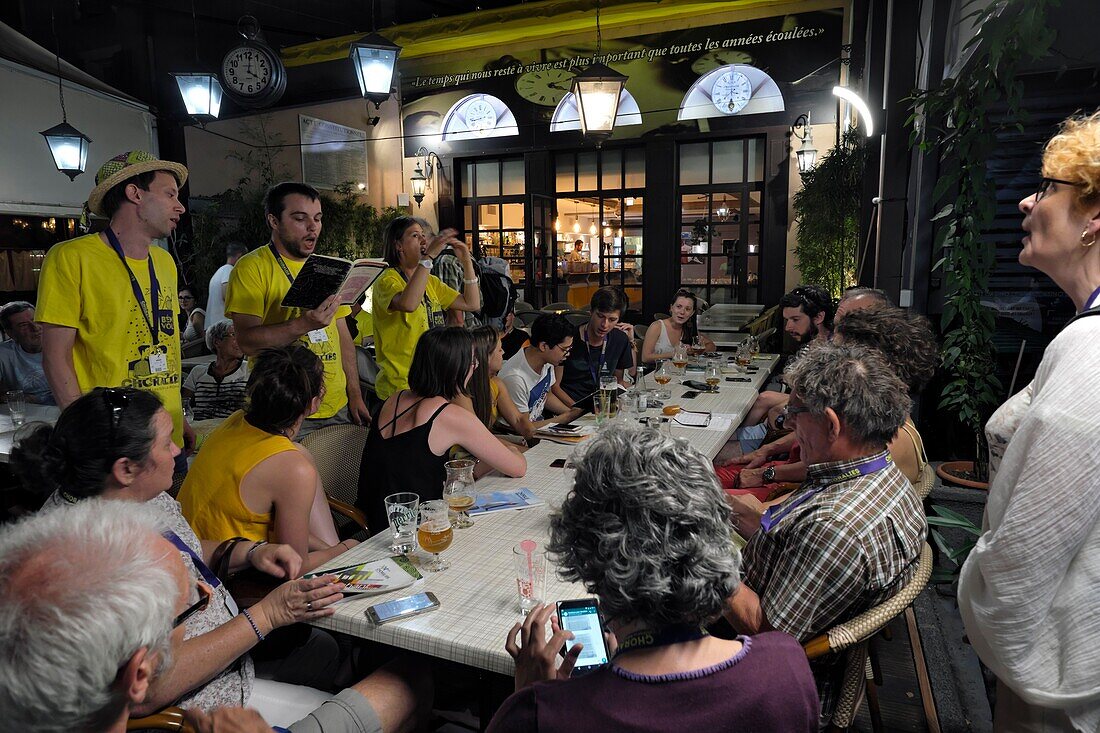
pixel 498 292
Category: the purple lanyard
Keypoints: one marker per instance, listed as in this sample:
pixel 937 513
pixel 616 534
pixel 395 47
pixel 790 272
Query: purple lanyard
pixel 149 314
pixel 200 564
pixel 866 466
pixel 599 365
pixel 1092 301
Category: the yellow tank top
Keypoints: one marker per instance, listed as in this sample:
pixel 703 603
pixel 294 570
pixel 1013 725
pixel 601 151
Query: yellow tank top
pixel 211 494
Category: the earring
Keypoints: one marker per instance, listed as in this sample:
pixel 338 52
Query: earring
pixel 1089 243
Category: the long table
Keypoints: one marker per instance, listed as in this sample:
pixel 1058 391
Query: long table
pixel 477 594
pixel 35 413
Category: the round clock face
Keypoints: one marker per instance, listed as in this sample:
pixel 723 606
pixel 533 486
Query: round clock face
pixel 712 60
pixel 480 115
pixel 248 71
pixel 545 87
pixel 731 92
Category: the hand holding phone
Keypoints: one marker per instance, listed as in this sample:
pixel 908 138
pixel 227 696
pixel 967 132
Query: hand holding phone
pixel 582 617
pixel 536 656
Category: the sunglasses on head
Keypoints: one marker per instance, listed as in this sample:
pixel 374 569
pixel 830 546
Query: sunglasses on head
pixel 117 400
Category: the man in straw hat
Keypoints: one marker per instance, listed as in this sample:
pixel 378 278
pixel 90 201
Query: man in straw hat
pixel 107 302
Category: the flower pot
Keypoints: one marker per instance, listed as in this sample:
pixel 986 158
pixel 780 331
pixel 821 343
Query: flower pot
pixel 960 473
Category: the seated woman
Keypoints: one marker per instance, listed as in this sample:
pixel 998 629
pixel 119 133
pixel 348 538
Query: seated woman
pixel 909 345
pixel 216 390
pixel 251 480
pixel 411 436
pixel 646 530
pixel 680 328
pixel 117 444
pixel 487 395
pixel 192 321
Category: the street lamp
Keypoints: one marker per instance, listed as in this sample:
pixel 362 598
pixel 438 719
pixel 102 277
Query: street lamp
pixel 68 145
pixel 374 58
pixel 807 154
pixel 202 94
pixel 597 90
pixel 420 180
pixel 856 101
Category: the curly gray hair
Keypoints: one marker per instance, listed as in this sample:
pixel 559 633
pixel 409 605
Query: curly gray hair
pixel 646 529
pixel 857 383
pixel 219 331
pixel 79 594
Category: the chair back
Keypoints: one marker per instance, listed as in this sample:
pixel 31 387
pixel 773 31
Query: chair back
pixel 560 307
pixel 338 450
pixel 528 317
pixel 522 306
pixel 577 318
pixel 927 482
pixel 639 330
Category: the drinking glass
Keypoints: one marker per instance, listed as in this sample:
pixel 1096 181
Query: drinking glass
pixel 607 407
pixel 680 357
pixel 401 510
pixel 435 533
pixel 662 377
pixel 697 346
pixel 458 491
pixel 631 406
pixel 17 406
pixel 712 375
pixel 754 347
pixel 529 561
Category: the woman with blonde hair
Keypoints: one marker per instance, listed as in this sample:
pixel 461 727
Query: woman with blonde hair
pixel 1028 590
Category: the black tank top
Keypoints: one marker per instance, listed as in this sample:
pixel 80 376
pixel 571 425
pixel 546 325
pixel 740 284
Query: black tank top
pixel 396 463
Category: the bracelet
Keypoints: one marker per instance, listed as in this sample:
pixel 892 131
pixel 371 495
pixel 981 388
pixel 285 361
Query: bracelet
pixel 258 545
pixel 471 281
pixel 255 628
pixel 343 543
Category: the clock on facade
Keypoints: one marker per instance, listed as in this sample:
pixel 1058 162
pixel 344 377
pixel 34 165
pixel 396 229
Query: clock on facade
pixel 545 87
pixel 731 92
pixel 253 74
pixel 480 115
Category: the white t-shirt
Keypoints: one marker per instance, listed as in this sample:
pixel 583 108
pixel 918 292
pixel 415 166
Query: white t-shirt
pixel 527 387
pixel 215 301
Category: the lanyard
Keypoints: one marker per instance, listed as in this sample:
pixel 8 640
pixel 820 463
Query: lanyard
pixel 772 517
pixel 433 320
pixel 207 574
pixel 599 367
pixel 154 286
pixel 282 264
pixel 1093 301
pixel 648 638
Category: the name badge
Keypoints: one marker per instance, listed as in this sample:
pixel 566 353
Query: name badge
pixel 318 336
pixel 158 363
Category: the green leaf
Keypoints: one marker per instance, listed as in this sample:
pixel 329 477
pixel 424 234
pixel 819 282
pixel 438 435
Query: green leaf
pixel 966 525
pixel 941 543
pixel 943 213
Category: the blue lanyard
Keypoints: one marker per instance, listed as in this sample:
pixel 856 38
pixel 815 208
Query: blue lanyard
pixel 154 286
pixel 599 365
pixel 648 638
pixel 775 514
pixel 1092 301
pixel 200 564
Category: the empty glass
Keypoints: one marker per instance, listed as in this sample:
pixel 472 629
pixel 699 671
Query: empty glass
pixel 529 561
pixel 17 406
pixel 401 510
pixel 458 491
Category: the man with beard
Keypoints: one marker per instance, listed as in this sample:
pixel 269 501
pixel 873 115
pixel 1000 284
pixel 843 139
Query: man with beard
pixel 21 358
pixel 807 314
pixel 259 282
pixel 107 302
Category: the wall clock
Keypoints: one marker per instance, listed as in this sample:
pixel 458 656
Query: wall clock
pixel 252 72
pixel 731 92
pixel 545 87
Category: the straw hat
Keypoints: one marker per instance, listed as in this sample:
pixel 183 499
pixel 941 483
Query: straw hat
pixel 125 166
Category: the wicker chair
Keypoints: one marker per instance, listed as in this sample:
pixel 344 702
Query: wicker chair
pixel 927 482
pixel 170 718
pixel 337 450
pixel 852 636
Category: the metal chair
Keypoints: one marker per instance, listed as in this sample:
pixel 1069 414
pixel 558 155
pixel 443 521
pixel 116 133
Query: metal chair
pixel 522 306
pixel 577 318
pixel 337 451
pixel 661 316
pixel 528 317
pixel 852 636
pixel 170 718
pixel 560 307
pixel 639 331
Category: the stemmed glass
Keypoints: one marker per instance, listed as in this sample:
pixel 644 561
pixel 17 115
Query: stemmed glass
pixel 712 375
pixel 458 491
pixel 663 376
pixel 680 357
pixel 434 534
pixel 743 356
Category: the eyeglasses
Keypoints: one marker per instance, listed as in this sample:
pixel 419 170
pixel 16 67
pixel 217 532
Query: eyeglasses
pixel 117 400
pixel 186 297
pixel 1044 186
pixel 789 411
pixel 204 600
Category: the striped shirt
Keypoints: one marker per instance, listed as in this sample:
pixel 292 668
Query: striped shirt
pixel 213 398
pixel 846 549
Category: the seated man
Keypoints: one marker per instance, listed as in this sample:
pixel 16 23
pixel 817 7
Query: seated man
pixel 21 358
pixel 602 347
pixel 529 374
pixel 857 298
pixel 87 640
pixel 850 537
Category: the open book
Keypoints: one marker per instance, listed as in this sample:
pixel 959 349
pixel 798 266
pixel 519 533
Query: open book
pixel 376 576
pixel 322 276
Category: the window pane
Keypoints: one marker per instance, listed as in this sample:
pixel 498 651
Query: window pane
pixel 467 176
pixel 512 216
pixel 729 161
pixel 693 207
pixel 488 216
pixel 563 172
pixel 488 178
pixel 632 211
pixel 694 164
pixel 635 168
pixel 513 178
pixel 756 159
pixel 612 169
pixel 586 172
pixel 467 217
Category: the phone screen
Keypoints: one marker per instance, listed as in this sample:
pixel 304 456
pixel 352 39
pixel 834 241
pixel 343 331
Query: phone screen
pixel 584 621
pixel 689 395
pixel 558 463
pixel 408 606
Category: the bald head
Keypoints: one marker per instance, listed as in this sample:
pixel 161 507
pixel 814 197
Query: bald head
pixel 859 298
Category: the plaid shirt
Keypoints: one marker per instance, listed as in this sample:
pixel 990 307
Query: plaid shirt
pixel 847 548
pixel 448 269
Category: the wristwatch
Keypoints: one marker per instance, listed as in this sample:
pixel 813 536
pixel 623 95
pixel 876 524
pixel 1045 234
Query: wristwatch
pixel 427 264
pixel 769 474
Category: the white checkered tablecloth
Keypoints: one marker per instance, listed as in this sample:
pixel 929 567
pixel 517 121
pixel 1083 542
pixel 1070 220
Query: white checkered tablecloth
pixel 478 597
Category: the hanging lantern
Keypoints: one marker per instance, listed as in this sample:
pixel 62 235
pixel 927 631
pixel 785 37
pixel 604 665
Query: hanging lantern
pixel 69 147
pixel 202 94
pixel 597 90
pixel 374 58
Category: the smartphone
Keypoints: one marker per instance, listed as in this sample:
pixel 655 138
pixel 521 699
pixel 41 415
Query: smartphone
pixel 565 428
pixel 738 379
pixel 582 617
pixel 689 395
pixel 559 463
pixel 400 608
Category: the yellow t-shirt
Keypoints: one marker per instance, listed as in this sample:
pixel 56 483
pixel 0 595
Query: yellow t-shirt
pixel 396 333
pixel 256 288
pixel 83 285
pixel 364 320
pixel 211 494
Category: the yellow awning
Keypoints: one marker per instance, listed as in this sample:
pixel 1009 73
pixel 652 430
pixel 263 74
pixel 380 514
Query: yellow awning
pixel 532 23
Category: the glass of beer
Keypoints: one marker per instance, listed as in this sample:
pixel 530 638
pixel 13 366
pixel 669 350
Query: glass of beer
pixel 680 357
pixel 434 533
pixel 458 491
pixel 662 377
pixel 712 375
